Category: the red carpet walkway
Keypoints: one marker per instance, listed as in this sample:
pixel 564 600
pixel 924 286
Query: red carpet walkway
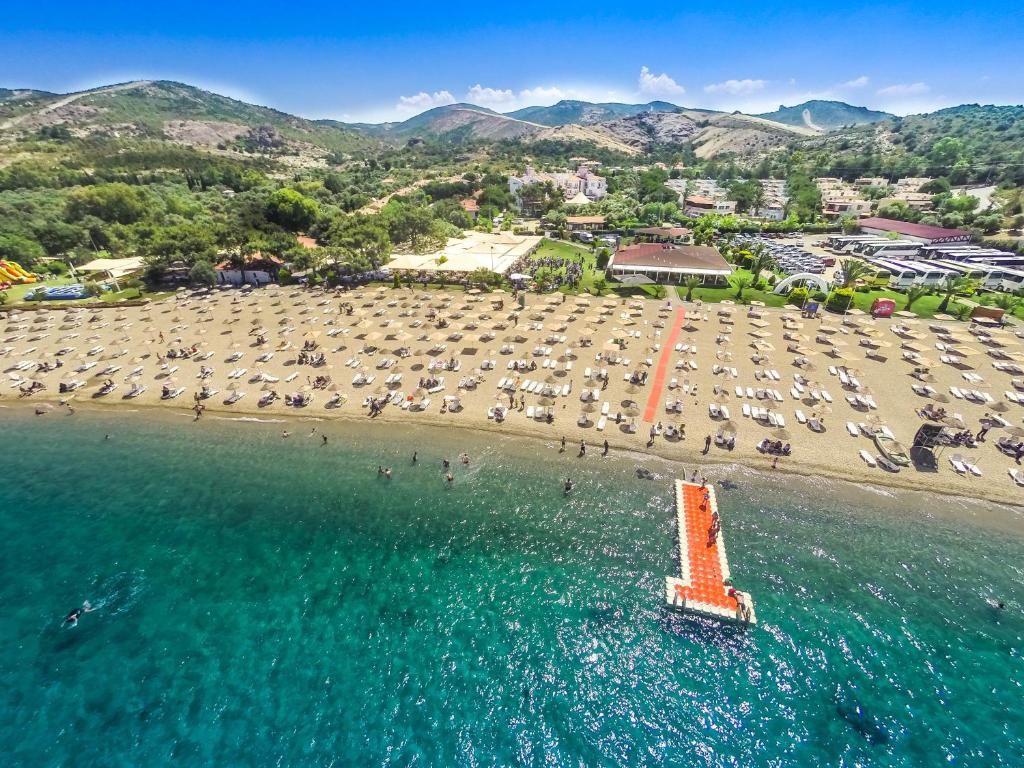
pixel 659 374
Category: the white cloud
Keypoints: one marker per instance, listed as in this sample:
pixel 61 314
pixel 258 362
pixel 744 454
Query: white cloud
pixel 422 101
pixel 483 96
pixel 857 82
pixel 904 89
pixel 542 95
pixel 736 87
pixel 658 86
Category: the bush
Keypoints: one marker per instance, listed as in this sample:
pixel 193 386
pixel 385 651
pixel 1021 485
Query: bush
pixel 3 298
pixel 93 289
pixel 798 295
pixel 819 295
pixel 284 277
pixel 840 300
pixel 55 268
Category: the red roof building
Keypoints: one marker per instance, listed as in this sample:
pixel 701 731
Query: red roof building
pixel 924 233
pixel 667 263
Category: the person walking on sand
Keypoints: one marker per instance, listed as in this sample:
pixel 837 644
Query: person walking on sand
pixel 583 449
pixel 324 437
pixel 562 449
pixel 604 452
pixel 707 445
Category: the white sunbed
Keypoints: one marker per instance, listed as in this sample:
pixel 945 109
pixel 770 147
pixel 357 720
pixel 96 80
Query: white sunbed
pixel 868 458
pixel 1017 475
pixel 852 429
pixel 601 422
pixel 746 409
pixel 958 464
pixel 801 419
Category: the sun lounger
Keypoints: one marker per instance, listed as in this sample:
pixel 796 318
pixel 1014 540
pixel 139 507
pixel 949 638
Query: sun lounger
pixel 746 409
pixel 868 458
pixel 601 422
pixel 801 419
pixel 606 408
pixel 1017 475
pixel 852 429
pixel 529 411
pixel 958 463
pixel 724 410
pixel 750 392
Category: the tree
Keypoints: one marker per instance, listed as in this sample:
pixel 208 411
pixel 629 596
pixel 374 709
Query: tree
pixel 914 293
pixel 114 203
pixel 953 285
pixel 1008 302
pixel 600 283
pixel 21 249
pixel 202 273
pixel 853 270
pixel 292 210
pixel 759 262
pixel 740 282
pixel 691 282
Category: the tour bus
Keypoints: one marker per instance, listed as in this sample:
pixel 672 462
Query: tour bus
pixel 889 249
pixel 845 243
pixel 1009 280
pixel 972 271
pixel 1011 261
pixel 927 274
pixel 877 276
pixel 900 276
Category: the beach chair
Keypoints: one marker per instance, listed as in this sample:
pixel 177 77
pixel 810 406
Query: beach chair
pixel 750 392
pixel 833 370
pixel 746 409
pixel 868 458
pixel 713 410
pixel 1017 475
pixel 794 393
pixel 780 419
pixel 568 365
pixel 724 410
pixel 772 420
pixel 566 389
pixel 529 411
pixel 826 396
pixel 852 429
pixel 800 418
pixel 601 422
pixel 693 365
pixel 957 461
pixel 606 408
pixel 739 391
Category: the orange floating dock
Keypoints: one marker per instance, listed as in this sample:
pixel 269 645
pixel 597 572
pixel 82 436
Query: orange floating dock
pixel 702 585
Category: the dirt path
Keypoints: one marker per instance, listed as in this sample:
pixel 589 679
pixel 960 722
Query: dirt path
pixel 376 205
pixel 54 105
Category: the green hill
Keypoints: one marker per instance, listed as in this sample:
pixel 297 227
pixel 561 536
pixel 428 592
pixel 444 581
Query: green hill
pixel 825 115
pixel 587 113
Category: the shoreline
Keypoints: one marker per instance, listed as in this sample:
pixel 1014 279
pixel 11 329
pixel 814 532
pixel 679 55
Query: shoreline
pixel 572 355
pixel 482 429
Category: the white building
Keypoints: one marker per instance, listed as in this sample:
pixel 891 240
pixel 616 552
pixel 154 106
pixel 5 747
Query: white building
pixel 584 182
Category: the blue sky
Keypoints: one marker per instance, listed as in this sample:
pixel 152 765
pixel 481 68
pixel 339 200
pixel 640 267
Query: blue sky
pixel 382 61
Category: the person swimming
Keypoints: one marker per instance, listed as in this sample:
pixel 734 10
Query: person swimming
pixel 72 618
pixel 568 486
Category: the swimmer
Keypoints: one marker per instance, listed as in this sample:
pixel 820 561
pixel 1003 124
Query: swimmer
pixel 72 618
pixel 286 433
pixel 449 478
pixel 324 440
pixel 387 472
pixel 465 458
pixel 380 469
pixel 445 463
pixel 998 604
pixel 568 486
pixel 414 456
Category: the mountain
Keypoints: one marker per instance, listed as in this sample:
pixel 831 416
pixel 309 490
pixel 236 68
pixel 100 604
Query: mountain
pixel 178 113
pixel 586 113
pixel 825 115
pixel 710 133
pixel 453 123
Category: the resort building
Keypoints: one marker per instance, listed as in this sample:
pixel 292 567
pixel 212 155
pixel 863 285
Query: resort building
pixel 667 263
pixel 837 207
pixel 584 223
pixel 698 205
pixel 584 182
pixel 921 233
pixel 477 250
pixel 255 269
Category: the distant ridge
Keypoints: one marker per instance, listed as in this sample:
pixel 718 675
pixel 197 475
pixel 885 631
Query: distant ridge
pixel 587 113
pixel 825 115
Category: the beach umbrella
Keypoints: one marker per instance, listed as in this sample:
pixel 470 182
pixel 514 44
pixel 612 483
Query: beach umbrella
pixel 1015 431
pixel 939 397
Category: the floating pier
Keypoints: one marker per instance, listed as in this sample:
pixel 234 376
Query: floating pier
pixel 703 585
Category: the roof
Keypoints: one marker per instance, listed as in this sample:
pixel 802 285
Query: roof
pixel 925 231
pixel 584 219
pixel 693 259
pixel 470 205
pixel 115 267
pixel 476 250
pixel 253 260
pixel 700 200
pixel 663 231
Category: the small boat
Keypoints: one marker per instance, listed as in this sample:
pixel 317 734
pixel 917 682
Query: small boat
pixel 891 449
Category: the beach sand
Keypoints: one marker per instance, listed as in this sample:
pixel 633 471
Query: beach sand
pixel 227 323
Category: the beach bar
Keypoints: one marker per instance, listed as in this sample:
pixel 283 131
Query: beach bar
pixel 704 582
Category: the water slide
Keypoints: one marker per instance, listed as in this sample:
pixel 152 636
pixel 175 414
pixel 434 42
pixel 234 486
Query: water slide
pixel 13 272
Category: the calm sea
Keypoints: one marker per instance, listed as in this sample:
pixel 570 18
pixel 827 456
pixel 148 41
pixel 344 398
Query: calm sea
pixel 269 601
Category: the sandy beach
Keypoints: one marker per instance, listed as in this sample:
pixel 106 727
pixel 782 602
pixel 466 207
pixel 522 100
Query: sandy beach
pixel 441 358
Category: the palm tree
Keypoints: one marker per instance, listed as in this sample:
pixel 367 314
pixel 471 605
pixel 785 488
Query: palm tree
pixel 914 293
pixel 739 282
pixel 853 270
pixel 691 282
pixel 760 261
pixel 1008 302
pixel 952 286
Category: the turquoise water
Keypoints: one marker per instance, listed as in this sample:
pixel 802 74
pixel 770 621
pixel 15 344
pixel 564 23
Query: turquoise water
pixel 269 601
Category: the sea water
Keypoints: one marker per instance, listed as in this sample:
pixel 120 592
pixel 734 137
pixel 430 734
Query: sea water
pixel 262 600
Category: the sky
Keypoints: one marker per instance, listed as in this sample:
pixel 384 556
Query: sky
pixel 388 61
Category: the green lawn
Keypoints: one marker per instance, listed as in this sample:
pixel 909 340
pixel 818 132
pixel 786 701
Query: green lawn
pixel 17 293
pixel 713 295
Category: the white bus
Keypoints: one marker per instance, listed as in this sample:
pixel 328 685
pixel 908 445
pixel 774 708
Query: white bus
pixel 927 274
pixel 900 275
pixel 845 243
pixel 889 249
